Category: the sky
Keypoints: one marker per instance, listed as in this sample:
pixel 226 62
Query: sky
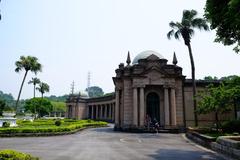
pixel 73 37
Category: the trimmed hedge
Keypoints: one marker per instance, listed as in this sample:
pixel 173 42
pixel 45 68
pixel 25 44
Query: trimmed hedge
pixel 15 155
pixel 58 122
pixel 6 124
pixel 231 126
pixel 67 127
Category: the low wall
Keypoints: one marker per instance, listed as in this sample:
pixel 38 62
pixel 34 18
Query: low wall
pixel 224 144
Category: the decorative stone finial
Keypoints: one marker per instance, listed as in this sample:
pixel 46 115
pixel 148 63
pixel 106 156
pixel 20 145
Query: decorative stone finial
pixel 174 59
pixel 128 59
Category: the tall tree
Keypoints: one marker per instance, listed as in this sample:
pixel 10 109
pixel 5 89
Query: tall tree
pixel 223 16
pixel 95 91
pixel 215 99
pixel 28 63
pixel 34 81
pixel 43 88
pixel 43 105
pixel 185 28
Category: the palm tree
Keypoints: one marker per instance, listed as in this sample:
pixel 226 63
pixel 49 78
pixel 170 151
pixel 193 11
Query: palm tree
pixel 185 28
pixel 43 88
pixel 34 81
pixel 28 64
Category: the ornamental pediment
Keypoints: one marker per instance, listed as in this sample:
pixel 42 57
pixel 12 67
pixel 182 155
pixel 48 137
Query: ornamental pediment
pixel 154 74
pixel 152 58
pixel 154 71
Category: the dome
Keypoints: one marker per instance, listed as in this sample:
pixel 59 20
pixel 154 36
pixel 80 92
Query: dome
pixel 146 54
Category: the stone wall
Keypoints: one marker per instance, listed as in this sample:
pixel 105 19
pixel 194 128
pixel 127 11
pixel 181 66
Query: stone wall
pixel 203 119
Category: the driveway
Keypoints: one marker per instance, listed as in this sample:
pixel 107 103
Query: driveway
pixel 105 144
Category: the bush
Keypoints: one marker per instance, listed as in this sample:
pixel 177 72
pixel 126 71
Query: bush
pixel 58 122
pixel 231 126
pixel 14 155
pixel 6 124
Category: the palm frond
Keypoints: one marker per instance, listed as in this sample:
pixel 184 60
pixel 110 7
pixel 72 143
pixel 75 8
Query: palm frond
pixel 191 32
pixel 177 34
pixel 200 24
pixel 189 14
pixel 170 34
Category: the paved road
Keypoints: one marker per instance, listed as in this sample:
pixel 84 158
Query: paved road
pixel 105 144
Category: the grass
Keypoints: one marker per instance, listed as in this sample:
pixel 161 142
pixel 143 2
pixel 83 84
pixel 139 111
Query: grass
pixel 216 135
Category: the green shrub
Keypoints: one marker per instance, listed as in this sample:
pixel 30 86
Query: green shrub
pixel 6 124
pixel 58 122
pixel 231 126
pixel 46 126
pixel 15 155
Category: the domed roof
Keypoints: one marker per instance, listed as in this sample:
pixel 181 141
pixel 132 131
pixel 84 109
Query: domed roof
pixel 146 54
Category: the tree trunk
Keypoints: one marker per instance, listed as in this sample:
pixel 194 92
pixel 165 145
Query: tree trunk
pixel 20 91
pixel 34 90
pixel 193 84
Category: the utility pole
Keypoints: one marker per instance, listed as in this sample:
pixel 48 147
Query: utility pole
pixel 88 81
pixel 72 87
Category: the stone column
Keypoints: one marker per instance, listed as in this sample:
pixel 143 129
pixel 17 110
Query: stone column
pixel 77 111
pixel 166 107
pixel 117 108
pixel 87 112
pixel 113 111
pixel 73 112
pixel 92 113
pixel 110 111
pixel 101 112
pixel 97 110
pixel 135 107
pixel 173 107
pixel 104 111
pixel 142 109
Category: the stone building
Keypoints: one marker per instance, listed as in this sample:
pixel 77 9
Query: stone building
pixel 148 89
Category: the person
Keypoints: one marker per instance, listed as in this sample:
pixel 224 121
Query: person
pixel 155 125
pixel 148 122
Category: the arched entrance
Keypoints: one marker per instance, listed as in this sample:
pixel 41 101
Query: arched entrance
pixel 153 108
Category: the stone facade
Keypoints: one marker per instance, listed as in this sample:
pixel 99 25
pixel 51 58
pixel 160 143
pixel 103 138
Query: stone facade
pixel 101 108
pixel 139 85
pixel 149 89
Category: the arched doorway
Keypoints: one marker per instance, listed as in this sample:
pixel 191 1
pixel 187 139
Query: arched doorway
pixel 153 108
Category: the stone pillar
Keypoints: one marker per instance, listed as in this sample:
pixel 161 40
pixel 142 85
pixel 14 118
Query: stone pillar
pixel 97 112
pixel 166 107
pixel 173 107
pixel 135 107
pixel 73 112
pixel 86 112
pixel 110 111
pixel 142 109
pixel 104 111
pixel 113 111
pixel 117 108
pixel 77 111
pixel 101 112
pixel 92 113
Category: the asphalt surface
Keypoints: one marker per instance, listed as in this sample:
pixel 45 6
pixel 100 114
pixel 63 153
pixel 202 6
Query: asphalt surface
pixel 105 144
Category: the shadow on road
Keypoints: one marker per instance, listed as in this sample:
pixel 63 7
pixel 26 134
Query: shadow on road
pixel 173 154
